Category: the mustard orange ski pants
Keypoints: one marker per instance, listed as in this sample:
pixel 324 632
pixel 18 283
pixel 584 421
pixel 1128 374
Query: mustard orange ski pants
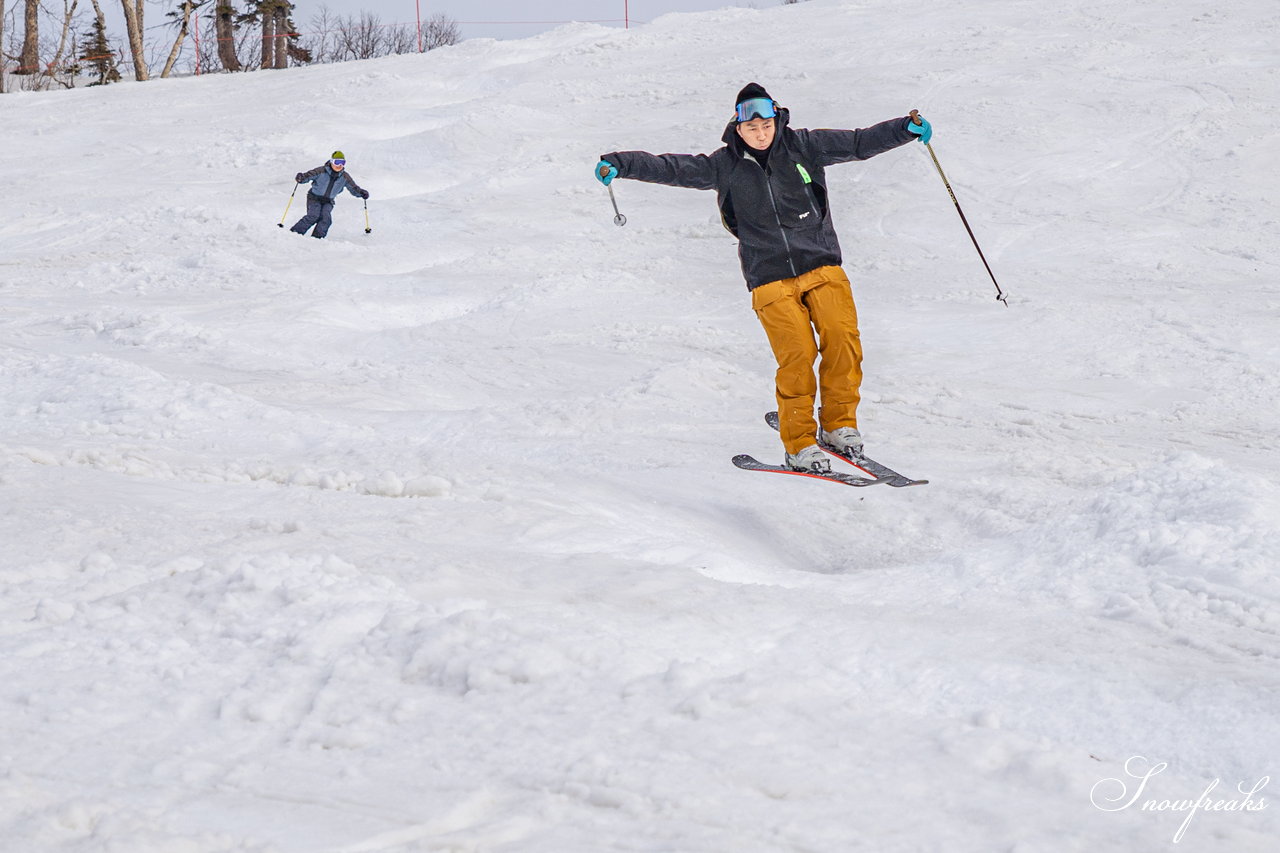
pixel 790 311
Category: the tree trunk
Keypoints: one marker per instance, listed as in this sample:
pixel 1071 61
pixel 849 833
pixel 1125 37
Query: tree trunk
pixel 133 23
pixel 182 35
pixel 282 37
pixel 1 47
pixel 280 46
pixel 268 38
pixel 29 56
pixel 226 34
pixel 55 64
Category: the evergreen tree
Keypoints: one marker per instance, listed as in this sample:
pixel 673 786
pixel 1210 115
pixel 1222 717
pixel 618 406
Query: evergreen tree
pixel 96 52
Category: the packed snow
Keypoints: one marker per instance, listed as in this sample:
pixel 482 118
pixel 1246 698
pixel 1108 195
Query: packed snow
pixel 427 539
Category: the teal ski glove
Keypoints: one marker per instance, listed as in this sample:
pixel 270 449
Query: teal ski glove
pixel 606 172
pixel 924 130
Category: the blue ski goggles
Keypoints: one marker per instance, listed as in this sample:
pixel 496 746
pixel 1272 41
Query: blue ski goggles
pixel 339 162
pixel 756 108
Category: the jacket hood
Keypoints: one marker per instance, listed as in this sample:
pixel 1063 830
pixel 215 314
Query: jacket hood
pixel 738 147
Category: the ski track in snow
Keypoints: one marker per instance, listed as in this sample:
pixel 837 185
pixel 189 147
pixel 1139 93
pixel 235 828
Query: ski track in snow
pixel 428 539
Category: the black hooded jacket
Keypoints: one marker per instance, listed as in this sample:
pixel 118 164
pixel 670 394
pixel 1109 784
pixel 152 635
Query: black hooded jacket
pixel 778 212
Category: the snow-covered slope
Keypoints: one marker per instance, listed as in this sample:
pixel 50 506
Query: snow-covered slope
pixel 428 539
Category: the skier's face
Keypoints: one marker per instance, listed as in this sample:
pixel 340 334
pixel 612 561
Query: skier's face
pixel 758 133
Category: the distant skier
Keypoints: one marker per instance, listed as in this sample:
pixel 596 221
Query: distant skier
pixel 771 189
pixel 327 181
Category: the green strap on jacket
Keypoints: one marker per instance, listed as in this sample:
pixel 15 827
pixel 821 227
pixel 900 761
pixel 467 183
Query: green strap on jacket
pixel 804 173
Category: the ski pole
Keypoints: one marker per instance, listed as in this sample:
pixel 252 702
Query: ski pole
pixel 1000 294
pixel 367 229
pixel 618 218
pixel 280 224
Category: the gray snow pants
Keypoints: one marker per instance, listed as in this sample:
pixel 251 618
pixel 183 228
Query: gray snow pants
pixel 319 214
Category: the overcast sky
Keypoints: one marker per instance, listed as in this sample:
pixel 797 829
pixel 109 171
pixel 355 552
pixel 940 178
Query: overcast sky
pixel 518 18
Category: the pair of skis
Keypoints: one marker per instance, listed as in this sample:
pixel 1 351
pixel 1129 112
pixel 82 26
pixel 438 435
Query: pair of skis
pixel 876 473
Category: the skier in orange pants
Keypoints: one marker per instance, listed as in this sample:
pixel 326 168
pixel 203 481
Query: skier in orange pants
pixel 770 183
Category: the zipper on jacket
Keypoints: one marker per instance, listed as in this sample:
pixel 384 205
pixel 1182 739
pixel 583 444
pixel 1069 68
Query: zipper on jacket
pixel 777 217
pixel 330 192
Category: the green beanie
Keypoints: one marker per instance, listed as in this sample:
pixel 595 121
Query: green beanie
pixel 338 155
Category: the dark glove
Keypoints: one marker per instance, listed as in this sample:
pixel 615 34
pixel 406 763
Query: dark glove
pixel 364 194
pixel 924 130
pixel 606 172
pixel 297 179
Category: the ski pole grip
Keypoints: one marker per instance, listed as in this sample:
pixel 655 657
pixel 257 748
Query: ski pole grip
pixel 915 117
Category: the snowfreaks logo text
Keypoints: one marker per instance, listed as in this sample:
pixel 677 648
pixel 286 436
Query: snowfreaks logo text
pixel 1114 795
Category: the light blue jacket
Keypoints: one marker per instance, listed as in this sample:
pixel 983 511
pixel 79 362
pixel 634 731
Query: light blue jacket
pixel 327 182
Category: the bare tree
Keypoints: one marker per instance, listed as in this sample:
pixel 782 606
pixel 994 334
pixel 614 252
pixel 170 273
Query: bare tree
pixel 133 26
pixel 29 55
pixel 55 65
pixel 55 61
pixel 1 47
pixel 360 38
pixel 440 31
pixel 338 39
pixel 323 42
pixel 181 17
pixel 401 39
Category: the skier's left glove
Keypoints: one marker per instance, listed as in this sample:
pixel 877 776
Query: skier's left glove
pixel 606 172
pixel 364 194
pixel 924 130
